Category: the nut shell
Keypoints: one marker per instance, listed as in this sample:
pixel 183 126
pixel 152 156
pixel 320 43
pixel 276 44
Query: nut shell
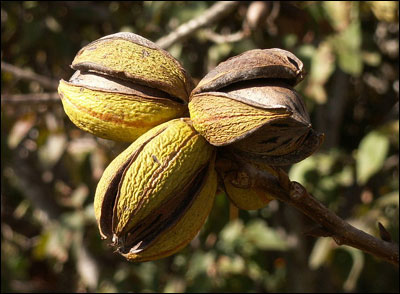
pixel 187 227
pixel 123 86
pixel 272 63
pixel 131 57
pixel 115 110
pixel 248 104
pixel 146 190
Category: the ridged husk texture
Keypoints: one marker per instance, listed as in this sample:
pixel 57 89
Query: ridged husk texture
pixel 154 197
pixel 248 104
pixel 124 85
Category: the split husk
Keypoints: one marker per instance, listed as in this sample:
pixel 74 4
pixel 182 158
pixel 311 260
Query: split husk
pixel 154 197
pixel 248 103
pixel 123 86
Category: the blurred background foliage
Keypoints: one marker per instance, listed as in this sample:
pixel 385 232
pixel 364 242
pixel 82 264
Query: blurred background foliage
pixel 49 168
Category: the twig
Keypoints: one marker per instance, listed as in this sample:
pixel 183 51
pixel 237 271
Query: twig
pixel 46 82
pixel 330 225
pixel 217 38
pixel 257 15
pixel 342 232
pixel 211 15
pixel 272 28
pixel 35 98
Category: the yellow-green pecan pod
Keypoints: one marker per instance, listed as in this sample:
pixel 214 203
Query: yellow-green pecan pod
pixel 152 186
pixel 115 109
pixel 123 86
pixel 243 188
pixel 188 225
pixel 248 104
pixel 241 192
pixel 131 57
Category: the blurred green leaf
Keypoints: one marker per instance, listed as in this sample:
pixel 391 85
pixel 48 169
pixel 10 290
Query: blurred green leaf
pixel 231 265
pixel 338 13
pixel 200 262
pixel 79 195
pixel 230 236
pixel 388 199
pixel 247 239
pixel 176 50
pixel 371 58
pixel 54 147
pixel 264 237
pixel 175 285
pixel 371 155
pixel 54 243
pixel 21 129
pixel 147 272
pixel 322 67
pixel 345 176
pixel 385 10
pixel 347 45
pixel 320 252
pixel 358 264
pixel 299 170
pixel 218 52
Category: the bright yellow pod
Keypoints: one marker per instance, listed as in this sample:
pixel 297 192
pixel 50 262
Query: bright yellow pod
pixel 115 116
pixel 162 185
pixel 246 197
pixel 131 57
pixel 179 236
pixel 241 183
pixel 123 86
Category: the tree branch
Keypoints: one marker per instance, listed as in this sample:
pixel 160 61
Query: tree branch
pixel 218 38
pixel 46 82
pixel 342 232
pixel 35 98
pixel 211 15
pixel 294 194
